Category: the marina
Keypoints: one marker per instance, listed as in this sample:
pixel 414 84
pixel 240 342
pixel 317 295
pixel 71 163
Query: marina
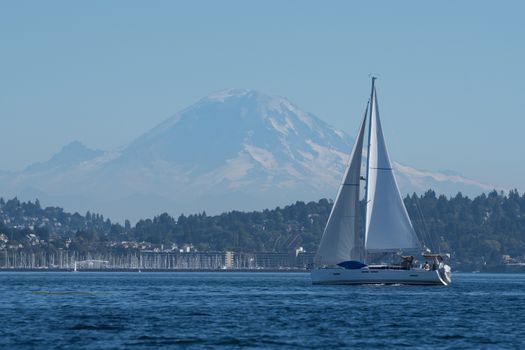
pixel 156 261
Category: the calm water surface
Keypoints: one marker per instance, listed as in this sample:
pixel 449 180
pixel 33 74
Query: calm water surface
pixel 255 310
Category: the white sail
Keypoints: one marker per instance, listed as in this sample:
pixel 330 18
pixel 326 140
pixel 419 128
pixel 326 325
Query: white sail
pixel 341 240
pixel 388 227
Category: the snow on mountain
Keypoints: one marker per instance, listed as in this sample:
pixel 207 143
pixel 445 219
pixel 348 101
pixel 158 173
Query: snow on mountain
pixel 410 179
pixel 234 149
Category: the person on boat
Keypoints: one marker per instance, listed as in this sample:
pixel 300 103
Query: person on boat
pixel 426 267
pixel 406 262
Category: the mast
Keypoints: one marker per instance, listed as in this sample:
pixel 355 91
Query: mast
pixel 360 239
pixel 368 149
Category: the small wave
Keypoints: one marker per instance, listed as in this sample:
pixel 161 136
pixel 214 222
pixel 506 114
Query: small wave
pixel 146 340
pixel 68 293
pixel 102 327
pixel 452 336
pixel 197 313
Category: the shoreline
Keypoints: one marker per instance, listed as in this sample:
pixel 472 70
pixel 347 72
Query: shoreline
pixel 46 270
pixel 156 270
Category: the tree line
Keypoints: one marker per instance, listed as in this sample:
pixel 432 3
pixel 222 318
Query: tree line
pixel 475 231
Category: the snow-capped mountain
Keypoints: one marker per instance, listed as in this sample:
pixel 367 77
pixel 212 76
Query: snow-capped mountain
pixel 234 149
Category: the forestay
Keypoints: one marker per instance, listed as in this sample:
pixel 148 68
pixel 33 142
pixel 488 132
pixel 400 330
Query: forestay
pixel 388 227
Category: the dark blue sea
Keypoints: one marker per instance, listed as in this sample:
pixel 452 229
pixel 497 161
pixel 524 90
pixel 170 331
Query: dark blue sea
pixel 255 310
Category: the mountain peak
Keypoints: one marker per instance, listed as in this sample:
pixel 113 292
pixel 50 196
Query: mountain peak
pixel 227 123
pixel 248 95
pixel 74 147
pixel 221 95
pixel 70 154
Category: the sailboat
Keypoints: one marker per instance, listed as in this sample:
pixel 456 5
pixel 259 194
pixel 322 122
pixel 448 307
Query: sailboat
pixel 387 250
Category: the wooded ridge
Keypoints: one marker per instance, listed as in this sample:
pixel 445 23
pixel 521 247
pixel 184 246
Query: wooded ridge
pixel 477 232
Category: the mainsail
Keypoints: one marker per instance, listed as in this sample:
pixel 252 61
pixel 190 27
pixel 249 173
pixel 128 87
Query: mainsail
pixel 388 227
pixel 341 240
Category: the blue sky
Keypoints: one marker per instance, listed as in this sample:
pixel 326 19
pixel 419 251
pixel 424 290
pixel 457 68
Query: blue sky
pixel 451 84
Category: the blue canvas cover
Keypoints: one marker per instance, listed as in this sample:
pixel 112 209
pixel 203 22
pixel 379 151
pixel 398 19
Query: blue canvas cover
pixel 351 265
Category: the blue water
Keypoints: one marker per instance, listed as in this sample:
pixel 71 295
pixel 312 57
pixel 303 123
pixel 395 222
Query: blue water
pixel 255 310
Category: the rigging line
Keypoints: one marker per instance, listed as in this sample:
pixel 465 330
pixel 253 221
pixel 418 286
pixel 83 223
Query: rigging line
pixel 432 238
pixel 431 242
pixel 420 232
pixel 423 232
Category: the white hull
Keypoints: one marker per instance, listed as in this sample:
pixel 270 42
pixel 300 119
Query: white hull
pixel 379 276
